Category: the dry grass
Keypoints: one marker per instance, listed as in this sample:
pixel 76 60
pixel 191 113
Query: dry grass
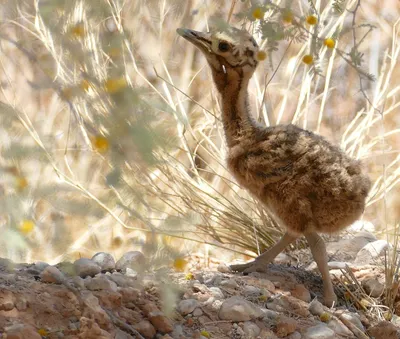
pixel 111 137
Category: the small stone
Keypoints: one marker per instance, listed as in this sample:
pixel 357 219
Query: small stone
pixel 370 252
pixel 131 273
pixel 6 300
pixel 78 282
pixel 238 309
pixel 223 268
pixel 145 328
pixel 339 328
pixel 187 306
pixel 21 304
pixel 320 331
pixel 230 283
pixel 251 330
pixel 157 318
pixel 216 305
pixel 294 335
pixel 134 260
pixel 316 308
pixel 251 291
pixel 285 326
pixel 85 267
pixel 101 283
pixel 22 332
pixel 217 293
pixel 40 265
pixel 354 319
pixel 301 292
pixel 384 329
pixel 104 260
pixel 197 312
pixel 52 275
pixel 373 287
pixel 283 259
pixel 197 287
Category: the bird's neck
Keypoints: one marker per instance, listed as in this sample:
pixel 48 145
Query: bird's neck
pixel 236 116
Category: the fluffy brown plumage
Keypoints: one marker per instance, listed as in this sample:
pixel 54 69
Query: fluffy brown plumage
pixel 309 185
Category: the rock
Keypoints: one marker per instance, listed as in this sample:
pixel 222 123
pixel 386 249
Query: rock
pixel 373 287
pixel 320 331
pixel 197 312
pixel 22 332
pixel 217 293
pixel 251 291
pixel 52 275
pixel 238 309
pixel 134 260
pixel 101 283
pixel 285 326
pixel 251 330
pixel 362 226
pixel 384 330
pixel 40 265
pixel 89 329
pixel 93 310
pixel 197 287
pixel 230 283
pixel 316 308
pixel 223 268
pixel 354 319
pixel 7 300
pixel 294 335
pixel 21 304
pixel 283 259
pixel 146 329
pixel 339 328
pixel 187 306
pixel 85 267
pixel 293 305
pixel 77 281
pixel 301 292
pixel 370 252
pixel 104 260
pixel 157 318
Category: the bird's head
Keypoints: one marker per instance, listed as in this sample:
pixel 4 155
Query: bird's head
pixel 231 52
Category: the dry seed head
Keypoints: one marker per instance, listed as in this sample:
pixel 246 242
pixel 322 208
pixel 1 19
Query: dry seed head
pixel 115 85
pixel 287 17
pixel 261 55
pixel 26 226
pixel 180 264
pixel 21 183
pixel 101 144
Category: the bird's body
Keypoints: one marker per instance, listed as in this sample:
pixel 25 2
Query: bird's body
pixel 309 185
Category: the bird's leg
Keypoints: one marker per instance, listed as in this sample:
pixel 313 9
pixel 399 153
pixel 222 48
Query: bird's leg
pixel 318 251
pixel 260 263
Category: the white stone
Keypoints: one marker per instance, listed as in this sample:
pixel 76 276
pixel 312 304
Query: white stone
pixel 320 331
pixel 133 259
pixel 52 275
pixel 230 283
pixel 238 309
pixel 316 308
pixel 85 267
pixel 251 330
pixel 354 319
pixel 370 252
pixel 104 260
pixel 217 293
pixel 187 306
pixel 251 291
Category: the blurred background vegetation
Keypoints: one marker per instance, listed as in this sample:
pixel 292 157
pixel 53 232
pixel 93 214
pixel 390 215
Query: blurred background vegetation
pixel 110 131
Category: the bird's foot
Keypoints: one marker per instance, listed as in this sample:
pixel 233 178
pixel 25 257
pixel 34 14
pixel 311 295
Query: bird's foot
pixel 252 266
pixel 330 300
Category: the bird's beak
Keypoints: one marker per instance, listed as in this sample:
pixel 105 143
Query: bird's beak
pixel 199 39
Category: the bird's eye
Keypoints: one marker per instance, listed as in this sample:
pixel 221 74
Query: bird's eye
pixel 223 46
pixel 249 53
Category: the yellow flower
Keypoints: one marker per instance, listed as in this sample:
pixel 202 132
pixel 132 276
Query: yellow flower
pixel 312 20
pixel 308 59
pixel 21 183
pixel 78 31
pixel 325 317
pixel 261 55
pixel 115 85
pixel 43 332
pixel 180 264
pixel 26 226
pixel 287 17
pixel 101 144
pixel 329 42
pixel 258 13
pixel 189 276
pixel 85 85
pixel 206 334
pixel 114 52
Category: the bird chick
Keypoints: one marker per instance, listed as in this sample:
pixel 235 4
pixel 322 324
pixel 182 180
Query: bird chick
pixel 308 185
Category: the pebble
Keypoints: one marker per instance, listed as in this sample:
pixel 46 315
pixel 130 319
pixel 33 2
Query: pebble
pixel 85 267
pixel 230 283
pixel 316 308
pixel 100 283
pixel 251 330
pixel 217 293
pixel 52 275
pixel 384 330
pixel 251 291
pixel 370 252
pixel 239 309
pixel 223 268
pixel 104 260
pixel 145 328
pixel 6 300
pixel 320 331
pixel 197 312
pixel 187 306
pixel 134 260
pixel 373 287
pixel 339 328
pixel 301 292
pixel 285 326
pixel 354 319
